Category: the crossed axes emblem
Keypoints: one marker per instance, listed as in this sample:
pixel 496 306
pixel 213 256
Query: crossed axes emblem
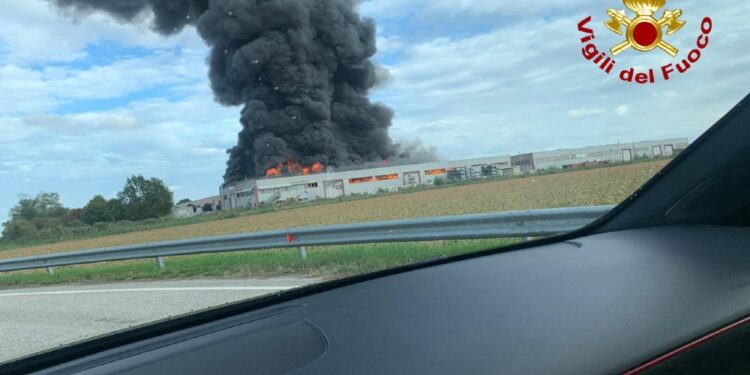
pixel 644 32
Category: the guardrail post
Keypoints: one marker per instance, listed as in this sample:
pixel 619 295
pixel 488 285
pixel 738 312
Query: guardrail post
pixel 160 263
pixel 302 252
pixel 51 271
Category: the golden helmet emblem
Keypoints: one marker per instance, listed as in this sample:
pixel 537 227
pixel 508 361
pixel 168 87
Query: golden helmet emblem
pixel 645 7
pixel 644 32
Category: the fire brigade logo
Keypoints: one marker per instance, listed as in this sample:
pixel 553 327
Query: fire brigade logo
pixel 644 32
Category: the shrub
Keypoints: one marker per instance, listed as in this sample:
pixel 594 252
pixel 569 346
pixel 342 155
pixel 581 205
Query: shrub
pixel 19 229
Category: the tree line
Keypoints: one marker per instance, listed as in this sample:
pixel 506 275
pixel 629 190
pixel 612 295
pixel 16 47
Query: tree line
pixel 44 217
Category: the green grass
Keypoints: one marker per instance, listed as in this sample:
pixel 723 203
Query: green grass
pixel 107 229
pixel 325 262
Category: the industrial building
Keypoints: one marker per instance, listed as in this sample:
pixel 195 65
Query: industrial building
pixel 614 153
pixel 333 184
pixel 329 184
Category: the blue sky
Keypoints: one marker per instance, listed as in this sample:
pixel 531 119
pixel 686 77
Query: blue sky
pixel 86 103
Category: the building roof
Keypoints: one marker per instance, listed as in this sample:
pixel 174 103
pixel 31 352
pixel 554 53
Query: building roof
pixel 640 144
pixel 200 202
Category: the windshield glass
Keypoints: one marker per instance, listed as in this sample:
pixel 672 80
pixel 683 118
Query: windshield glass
pixel 128 124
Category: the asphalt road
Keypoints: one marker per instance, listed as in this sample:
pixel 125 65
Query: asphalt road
pixel 36 319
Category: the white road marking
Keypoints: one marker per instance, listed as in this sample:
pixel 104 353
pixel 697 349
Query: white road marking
pixel 75 312
pixel 141 290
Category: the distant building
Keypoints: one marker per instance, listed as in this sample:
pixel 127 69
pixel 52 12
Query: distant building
pixel 333 184
pixel 614 153
pixel 197 207
pixel 328 185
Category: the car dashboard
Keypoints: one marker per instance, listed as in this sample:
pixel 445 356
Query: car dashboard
pixel 602 303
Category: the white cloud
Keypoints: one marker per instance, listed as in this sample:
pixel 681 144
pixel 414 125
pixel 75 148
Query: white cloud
pixel 525 86
pixel 82 122
pixel 622 110
pixel 35 32
pixel 586 112
pixel 24 90
pixel 389 44
pixel 516 86
pixel 144 136
pixel 398 8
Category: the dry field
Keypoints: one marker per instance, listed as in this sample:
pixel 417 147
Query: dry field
pixel 580 188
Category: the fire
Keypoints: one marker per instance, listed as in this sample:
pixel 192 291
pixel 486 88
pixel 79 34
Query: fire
pixel 317 168
pixel 293 168
pixel 273 172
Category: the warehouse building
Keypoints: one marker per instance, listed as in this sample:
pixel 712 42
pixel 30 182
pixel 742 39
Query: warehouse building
pixel 329 184
pixel 333 184
pixel 614 153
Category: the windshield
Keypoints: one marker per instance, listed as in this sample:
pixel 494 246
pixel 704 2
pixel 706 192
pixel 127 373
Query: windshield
pixel 283 143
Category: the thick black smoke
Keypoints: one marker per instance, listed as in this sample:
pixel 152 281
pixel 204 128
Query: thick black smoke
pixel 300 68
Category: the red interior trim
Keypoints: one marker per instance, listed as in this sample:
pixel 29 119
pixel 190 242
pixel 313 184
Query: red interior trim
pixel 688 346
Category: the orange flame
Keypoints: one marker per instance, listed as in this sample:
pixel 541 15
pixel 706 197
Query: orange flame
pixel 273 172
pixel 293 167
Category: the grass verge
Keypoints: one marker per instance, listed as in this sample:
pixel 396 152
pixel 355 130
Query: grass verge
pixel 582 188
pixel 633 170
pixel 326 262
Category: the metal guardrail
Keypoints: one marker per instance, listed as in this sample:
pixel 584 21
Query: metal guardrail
pixel 534 223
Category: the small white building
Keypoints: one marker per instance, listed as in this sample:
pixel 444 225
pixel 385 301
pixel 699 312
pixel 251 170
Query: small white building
pixel 196 207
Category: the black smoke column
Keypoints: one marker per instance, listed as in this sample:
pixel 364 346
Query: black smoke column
pixel 300 68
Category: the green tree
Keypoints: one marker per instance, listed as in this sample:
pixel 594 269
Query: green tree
pixel 19 229
pixel 42 205
pixel 144 199
pixel 116 209
pixel 97 211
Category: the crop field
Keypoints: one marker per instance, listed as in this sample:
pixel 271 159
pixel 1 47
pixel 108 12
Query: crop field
pixel 580 188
